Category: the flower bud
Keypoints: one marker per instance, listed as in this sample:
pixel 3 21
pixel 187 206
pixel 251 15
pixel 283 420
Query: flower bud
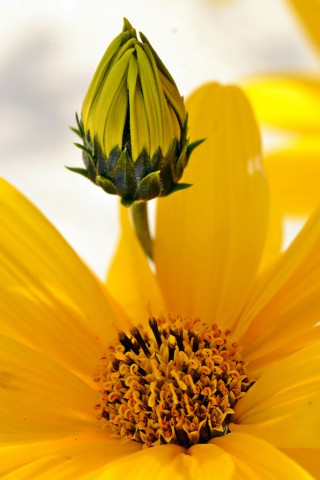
pixel 133 123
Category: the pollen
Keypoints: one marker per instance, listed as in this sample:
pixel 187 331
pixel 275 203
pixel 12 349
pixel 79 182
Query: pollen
pixel 176 383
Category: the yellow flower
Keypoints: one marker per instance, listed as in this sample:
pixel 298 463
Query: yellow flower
pixel 308 13
pixel 57 321
pixel 289 103
pixel 134 123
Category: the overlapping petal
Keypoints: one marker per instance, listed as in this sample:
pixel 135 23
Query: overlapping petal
pixel 167 461
pixel 47 418
pixel 72 458
pixel 131 280
pixel 234 457
pixel 255 458
pixel 209 240
pixel 284 306
pixel 172 461
pixel 39 399
pixel 48 296
pixel 283 406
pixel 274 237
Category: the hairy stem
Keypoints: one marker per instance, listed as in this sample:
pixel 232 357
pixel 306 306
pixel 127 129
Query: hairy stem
pixel 141 225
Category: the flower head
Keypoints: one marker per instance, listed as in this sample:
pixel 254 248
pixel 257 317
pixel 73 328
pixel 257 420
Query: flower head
pixel 134 122
pixel 226 376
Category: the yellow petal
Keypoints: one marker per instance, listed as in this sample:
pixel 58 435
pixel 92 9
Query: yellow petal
pixel 49 299
pixel 274 238
pixel 283 406
pixel 139 128
pixel 284 306
pixel 68 459
pixel 293 173
pixel 309 14
pixel 97 81
pixel 163 462
pixel 109 113
pixel 208 459
pixel 309 458
pixel 257 459
pixel 39 400
pixel 209 238
pixel 130 279
pixel 153 99
pixel 171 461
pixel 290 101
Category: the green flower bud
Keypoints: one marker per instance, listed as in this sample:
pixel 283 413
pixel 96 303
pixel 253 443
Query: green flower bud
pixel 133 123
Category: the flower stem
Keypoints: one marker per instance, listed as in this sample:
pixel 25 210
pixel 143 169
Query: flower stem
pixel 141 225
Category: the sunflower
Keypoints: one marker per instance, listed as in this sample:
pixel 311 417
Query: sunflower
pixel 217 330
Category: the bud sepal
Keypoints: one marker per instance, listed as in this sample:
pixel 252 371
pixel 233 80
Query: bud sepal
pixel 144 179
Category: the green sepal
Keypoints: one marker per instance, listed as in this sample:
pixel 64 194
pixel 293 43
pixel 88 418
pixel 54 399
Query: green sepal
pixel 80 125
pixel 180 186
pixel 142 166
pixel 81 171
pixel 106 185
pixel 99 158
pixel 76 131
pixel 156 160
pixel 194 145
pixel 167 166
pixel 181 164
pixel 124 177
pixel 112 161
pixel 91 169
pixel 84 149
pixel 184 130
pixel 88 160
pixel 149 187
pixel 79 129
pixel 102 168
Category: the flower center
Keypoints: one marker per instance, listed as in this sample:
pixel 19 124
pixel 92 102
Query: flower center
pixel 177 384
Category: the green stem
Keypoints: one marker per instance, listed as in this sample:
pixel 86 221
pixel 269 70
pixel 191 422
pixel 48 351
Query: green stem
pixel 141 225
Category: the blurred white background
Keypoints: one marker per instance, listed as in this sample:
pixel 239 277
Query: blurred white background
pixel 49 52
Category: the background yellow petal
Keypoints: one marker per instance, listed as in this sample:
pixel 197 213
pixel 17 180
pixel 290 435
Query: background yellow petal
pixel 130 279
pixel 289 101
pixel 209 238
pixel 70 459
pixel 284 305
pixel 49 299
pixel 39 400
pixel 283 406
pixel 294 172
pixel 308 12
pixel 257 459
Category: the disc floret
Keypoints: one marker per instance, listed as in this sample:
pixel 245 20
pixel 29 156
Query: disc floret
pixel 176 384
